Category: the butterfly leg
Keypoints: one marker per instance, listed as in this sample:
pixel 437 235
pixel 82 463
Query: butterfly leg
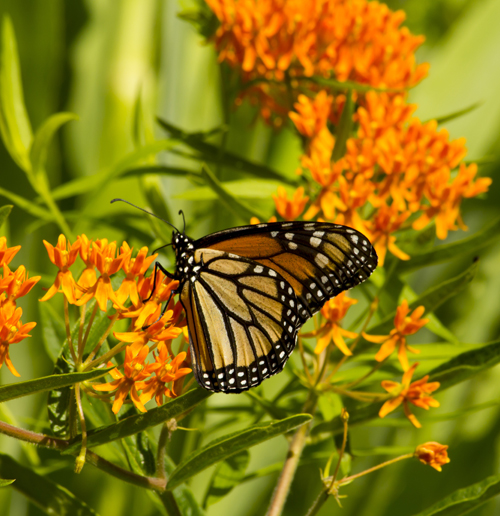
pixel 158 265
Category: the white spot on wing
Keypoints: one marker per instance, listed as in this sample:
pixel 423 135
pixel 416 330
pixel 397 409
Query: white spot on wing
pixel 315 241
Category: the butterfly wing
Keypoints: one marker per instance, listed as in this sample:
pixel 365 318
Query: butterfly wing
pixel 242 320
pixel 318 259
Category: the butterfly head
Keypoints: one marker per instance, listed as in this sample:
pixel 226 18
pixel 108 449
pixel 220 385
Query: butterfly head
pixel 183 248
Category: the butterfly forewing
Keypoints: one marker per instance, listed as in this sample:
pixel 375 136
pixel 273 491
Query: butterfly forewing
pixel 319 260
pixel 242 318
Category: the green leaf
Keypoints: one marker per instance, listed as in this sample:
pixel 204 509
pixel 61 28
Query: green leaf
pixel 27 205
pixel 347 85
pixel 15 126
pixel 240 189
pixel 465 500
pixel 430 299
pixel 46 494
pixel 43 139
pixel 227 475
pixel 457 114
pixel 212 154
pixel 344 128
pixel 4 213
pixel 163 170
pixel 141 422
pixel 88 184
pixel 463 248
pixel 466 365
pixel 237 207
pixel 6 482
pixel 230 444
pixel 59 400
pixel 53 330
pixel 47 383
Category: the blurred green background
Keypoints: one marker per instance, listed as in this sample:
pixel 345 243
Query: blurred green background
pixel 95 58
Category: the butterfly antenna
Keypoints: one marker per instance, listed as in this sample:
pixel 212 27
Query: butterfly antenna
pixel 146 211
pixel 160 248
pixel 184 220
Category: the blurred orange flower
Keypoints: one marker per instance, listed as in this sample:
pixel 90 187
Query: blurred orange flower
pixel 403 326
pixel 433 454
pixel 406 392
pixel 290 209
pixel 7 253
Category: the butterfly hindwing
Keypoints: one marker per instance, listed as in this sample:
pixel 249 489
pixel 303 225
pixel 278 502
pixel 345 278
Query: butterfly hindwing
pixel 318 259
pixel 242 318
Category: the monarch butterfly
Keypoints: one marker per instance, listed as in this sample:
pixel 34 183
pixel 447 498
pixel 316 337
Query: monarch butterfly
pixel 247 291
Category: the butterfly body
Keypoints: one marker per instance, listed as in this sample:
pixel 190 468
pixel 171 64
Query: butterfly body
pixel 248 290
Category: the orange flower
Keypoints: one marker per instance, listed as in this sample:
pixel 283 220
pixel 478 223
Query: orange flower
pixel 255 220
pixel 88 277
pixel 63 259
pixel 433 454
pixel 385 222
pixel 290 209
pixel 403 325
pixel 135 371
pixel 134 268
pixel 12 331
pixel 334 311
pixel 169 371
pixel 404 392
pixel 16 284
pixel 7 253
pixel 104 259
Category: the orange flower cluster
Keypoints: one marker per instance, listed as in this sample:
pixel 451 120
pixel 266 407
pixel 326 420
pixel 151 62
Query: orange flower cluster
pixel 397 172
pixel 136 298
pixel 277 42
pixel 417 393
pixel 13 285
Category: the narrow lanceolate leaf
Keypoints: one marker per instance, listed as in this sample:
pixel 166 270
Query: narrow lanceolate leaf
pixel 132 425
pixel 4 213
pixel 4 482
pixel 465 500
pixel 212 154
pixel 27 205
pixel 44 137
pixel 46 494
pixel 163 170
pixel 47 383
pixel 466 365
pixel 344 128
pixel 458 114
pixel 469 246
pixel 231 444
pixel 227 475
pixel 430 299
pixel 15 126
pixel 237 207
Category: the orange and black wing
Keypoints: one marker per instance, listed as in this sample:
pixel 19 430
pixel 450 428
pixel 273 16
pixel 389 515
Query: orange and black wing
pixel 242 320
pixel 318 259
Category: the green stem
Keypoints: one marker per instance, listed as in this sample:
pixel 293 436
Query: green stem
pixel 292 461
pixel 92 458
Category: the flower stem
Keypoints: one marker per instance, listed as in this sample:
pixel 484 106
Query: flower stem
pixel 292 461
pixel 80 460
pixel 68 330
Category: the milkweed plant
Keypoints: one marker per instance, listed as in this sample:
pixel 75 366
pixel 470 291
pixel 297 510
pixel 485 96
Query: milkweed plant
pixel 116 396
